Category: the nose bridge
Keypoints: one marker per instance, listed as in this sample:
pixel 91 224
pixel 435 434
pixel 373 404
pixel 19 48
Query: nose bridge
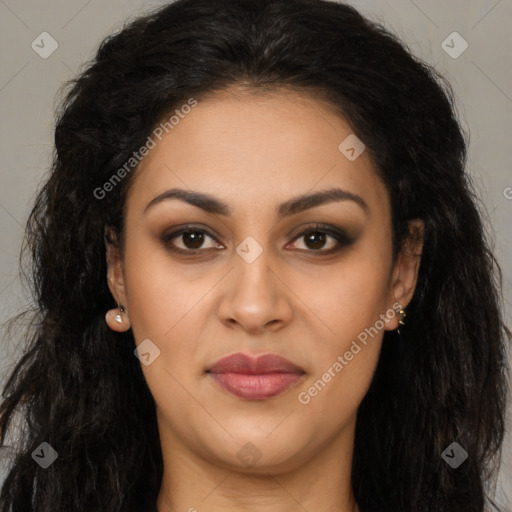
pixel 255 246
pixel 255 296
pixel 253 264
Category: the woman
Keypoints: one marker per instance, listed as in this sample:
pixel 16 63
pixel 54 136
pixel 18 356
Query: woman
pixel 262 278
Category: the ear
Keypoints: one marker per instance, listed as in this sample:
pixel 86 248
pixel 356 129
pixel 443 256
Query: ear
pixel 405 271
pixel 115 282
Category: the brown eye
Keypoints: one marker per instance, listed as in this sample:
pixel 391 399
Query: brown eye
pixel 192 240
pixel 316 238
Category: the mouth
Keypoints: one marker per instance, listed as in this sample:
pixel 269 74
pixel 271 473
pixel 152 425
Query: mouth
pixel 255 378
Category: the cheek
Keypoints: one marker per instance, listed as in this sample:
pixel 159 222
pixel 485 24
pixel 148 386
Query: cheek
pixel 354 297
pixel 351 296
pixel 160 302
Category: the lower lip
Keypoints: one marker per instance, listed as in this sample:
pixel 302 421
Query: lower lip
pixel 256 387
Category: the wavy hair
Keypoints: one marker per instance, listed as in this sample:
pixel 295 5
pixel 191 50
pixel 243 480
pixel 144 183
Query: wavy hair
pixel 78 385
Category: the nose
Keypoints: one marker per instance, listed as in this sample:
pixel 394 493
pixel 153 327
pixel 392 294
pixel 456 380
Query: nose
pixel 256 298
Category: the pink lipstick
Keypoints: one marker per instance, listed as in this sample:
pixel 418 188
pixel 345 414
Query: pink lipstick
pixel 255 378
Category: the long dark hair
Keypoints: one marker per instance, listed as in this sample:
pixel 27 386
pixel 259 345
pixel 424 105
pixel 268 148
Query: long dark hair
pixel 79 387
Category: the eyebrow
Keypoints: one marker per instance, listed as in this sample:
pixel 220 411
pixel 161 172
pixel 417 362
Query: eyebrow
pixel 294 205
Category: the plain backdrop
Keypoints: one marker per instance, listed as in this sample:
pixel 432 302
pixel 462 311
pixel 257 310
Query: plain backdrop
pixel 481 76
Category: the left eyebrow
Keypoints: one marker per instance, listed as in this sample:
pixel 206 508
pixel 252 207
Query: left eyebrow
pixel 294 205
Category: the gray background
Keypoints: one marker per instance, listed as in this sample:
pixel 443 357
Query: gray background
pixel 481 77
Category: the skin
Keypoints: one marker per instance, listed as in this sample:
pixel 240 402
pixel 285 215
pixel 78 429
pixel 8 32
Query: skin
pixel 253 153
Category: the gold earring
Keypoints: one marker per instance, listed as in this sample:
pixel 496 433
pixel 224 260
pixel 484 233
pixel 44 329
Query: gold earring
pixel 402 314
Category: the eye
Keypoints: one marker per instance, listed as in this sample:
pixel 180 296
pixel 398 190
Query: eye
pixel 192 239
pixel 316 238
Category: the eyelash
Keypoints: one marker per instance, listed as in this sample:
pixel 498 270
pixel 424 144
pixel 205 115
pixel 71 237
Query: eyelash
pixel 340 236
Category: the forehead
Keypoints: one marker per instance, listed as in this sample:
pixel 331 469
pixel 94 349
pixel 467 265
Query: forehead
pixel 255 149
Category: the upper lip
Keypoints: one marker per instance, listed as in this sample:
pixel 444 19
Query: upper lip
pixel 242 363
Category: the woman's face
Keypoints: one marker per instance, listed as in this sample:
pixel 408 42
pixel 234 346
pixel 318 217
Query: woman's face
pixel 255 276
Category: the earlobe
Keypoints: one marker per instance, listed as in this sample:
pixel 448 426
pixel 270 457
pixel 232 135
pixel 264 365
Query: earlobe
pixel 117 319
pixel 396 319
